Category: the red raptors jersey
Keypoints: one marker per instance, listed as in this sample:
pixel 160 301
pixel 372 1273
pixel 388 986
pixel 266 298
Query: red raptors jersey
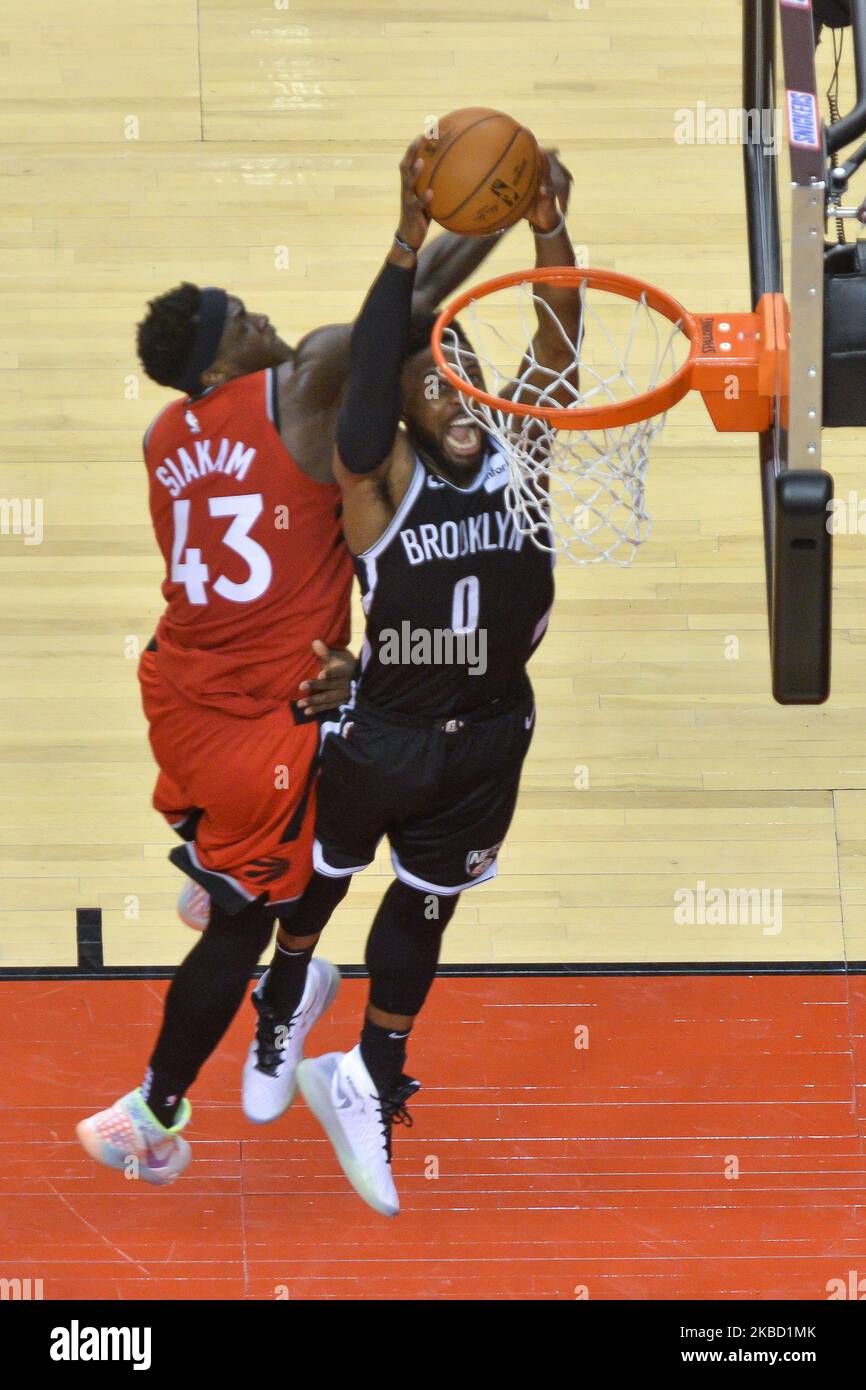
pixel 256 565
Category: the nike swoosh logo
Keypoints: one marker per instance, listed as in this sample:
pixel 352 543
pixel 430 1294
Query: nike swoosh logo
pixel 528 722
pixel 152 1161
pixel 341 1100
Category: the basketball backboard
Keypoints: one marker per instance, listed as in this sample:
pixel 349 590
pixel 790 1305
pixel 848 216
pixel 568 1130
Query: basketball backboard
pixel 778 348
pixel 795 491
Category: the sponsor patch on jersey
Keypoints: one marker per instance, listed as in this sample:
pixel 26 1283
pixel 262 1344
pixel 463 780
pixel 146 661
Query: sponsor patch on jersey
pixel 478 860
pixel 497 475
pixel 803 120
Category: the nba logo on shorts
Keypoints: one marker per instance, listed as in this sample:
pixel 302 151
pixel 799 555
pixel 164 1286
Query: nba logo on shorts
pixel 479 860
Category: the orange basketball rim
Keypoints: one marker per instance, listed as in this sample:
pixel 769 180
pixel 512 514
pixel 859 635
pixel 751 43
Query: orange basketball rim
pixel 738 362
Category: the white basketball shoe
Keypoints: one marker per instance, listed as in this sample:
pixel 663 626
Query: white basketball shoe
pixel 270 1071
pixel 340 1092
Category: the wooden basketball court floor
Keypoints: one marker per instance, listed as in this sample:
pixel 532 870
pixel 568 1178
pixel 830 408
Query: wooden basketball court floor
pixel 705 1136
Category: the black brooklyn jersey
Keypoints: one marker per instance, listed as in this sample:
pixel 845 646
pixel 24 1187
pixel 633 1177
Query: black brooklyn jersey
pixel 456 598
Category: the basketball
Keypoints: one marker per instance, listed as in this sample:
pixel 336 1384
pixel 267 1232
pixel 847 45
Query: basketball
pixel 482 168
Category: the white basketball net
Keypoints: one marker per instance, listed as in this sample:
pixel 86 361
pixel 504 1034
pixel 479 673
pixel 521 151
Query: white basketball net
pixel 577 491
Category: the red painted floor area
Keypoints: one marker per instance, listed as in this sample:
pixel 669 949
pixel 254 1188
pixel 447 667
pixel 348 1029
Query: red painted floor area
pixel 597 1171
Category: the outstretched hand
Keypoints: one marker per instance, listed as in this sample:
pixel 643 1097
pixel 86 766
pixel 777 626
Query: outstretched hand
pixel 414 217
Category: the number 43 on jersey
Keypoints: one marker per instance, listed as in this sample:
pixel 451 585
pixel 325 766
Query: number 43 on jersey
pixel 187 567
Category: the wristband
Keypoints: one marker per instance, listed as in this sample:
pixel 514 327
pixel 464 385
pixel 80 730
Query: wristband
pixel 555 231
pixel 404 245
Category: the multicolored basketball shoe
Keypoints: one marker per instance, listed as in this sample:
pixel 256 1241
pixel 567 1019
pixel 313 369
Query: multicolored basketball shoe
pixel 193 905
pixel 129 1136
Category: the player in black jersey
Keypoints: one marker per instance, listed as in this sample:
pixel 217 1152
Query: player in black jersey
pixel 429 752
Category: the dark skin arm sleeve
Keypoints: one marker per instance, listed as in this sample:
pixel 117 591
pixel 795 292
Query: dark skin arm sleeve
pixel 370 413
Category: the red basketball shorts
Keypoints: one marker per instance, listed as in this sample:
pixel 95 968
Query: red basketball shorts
pixel 240 792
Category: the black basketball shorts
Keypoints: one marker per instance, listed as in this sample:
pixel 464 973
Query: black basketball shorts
pixel 443 792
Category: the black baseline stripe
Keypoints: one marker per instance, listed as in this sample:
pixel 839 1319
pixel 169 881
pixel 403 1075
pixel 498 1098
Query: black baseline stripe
pixel 534 970
pixel 91 965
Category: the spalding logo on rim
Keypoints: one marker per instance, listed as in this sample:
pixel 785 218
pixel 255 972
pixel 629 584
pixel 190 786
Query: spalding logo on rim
pixel 478 860
pixel 803 120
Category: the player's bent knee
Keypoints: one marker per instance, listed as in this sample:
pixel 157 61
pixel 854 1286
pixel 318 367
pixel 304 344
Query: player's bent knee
pixel 251 927
pixel 314 909
pixel 422 906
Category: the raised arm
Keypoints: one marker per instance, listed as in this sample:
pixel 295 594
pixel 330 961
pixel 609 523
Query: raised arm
pixel 558 312
pixel 445 263
pixel 371 468
pixel 323 356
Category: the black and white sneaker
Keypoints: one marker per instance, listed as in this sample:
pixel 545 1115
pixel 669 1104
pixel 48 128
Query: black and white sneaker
pixel 270 1071
pixel 358 1121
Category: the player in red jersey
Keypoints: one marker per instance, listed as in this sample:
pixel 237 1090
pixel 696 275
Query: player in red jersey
pixel 257 584
pixel 256 572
